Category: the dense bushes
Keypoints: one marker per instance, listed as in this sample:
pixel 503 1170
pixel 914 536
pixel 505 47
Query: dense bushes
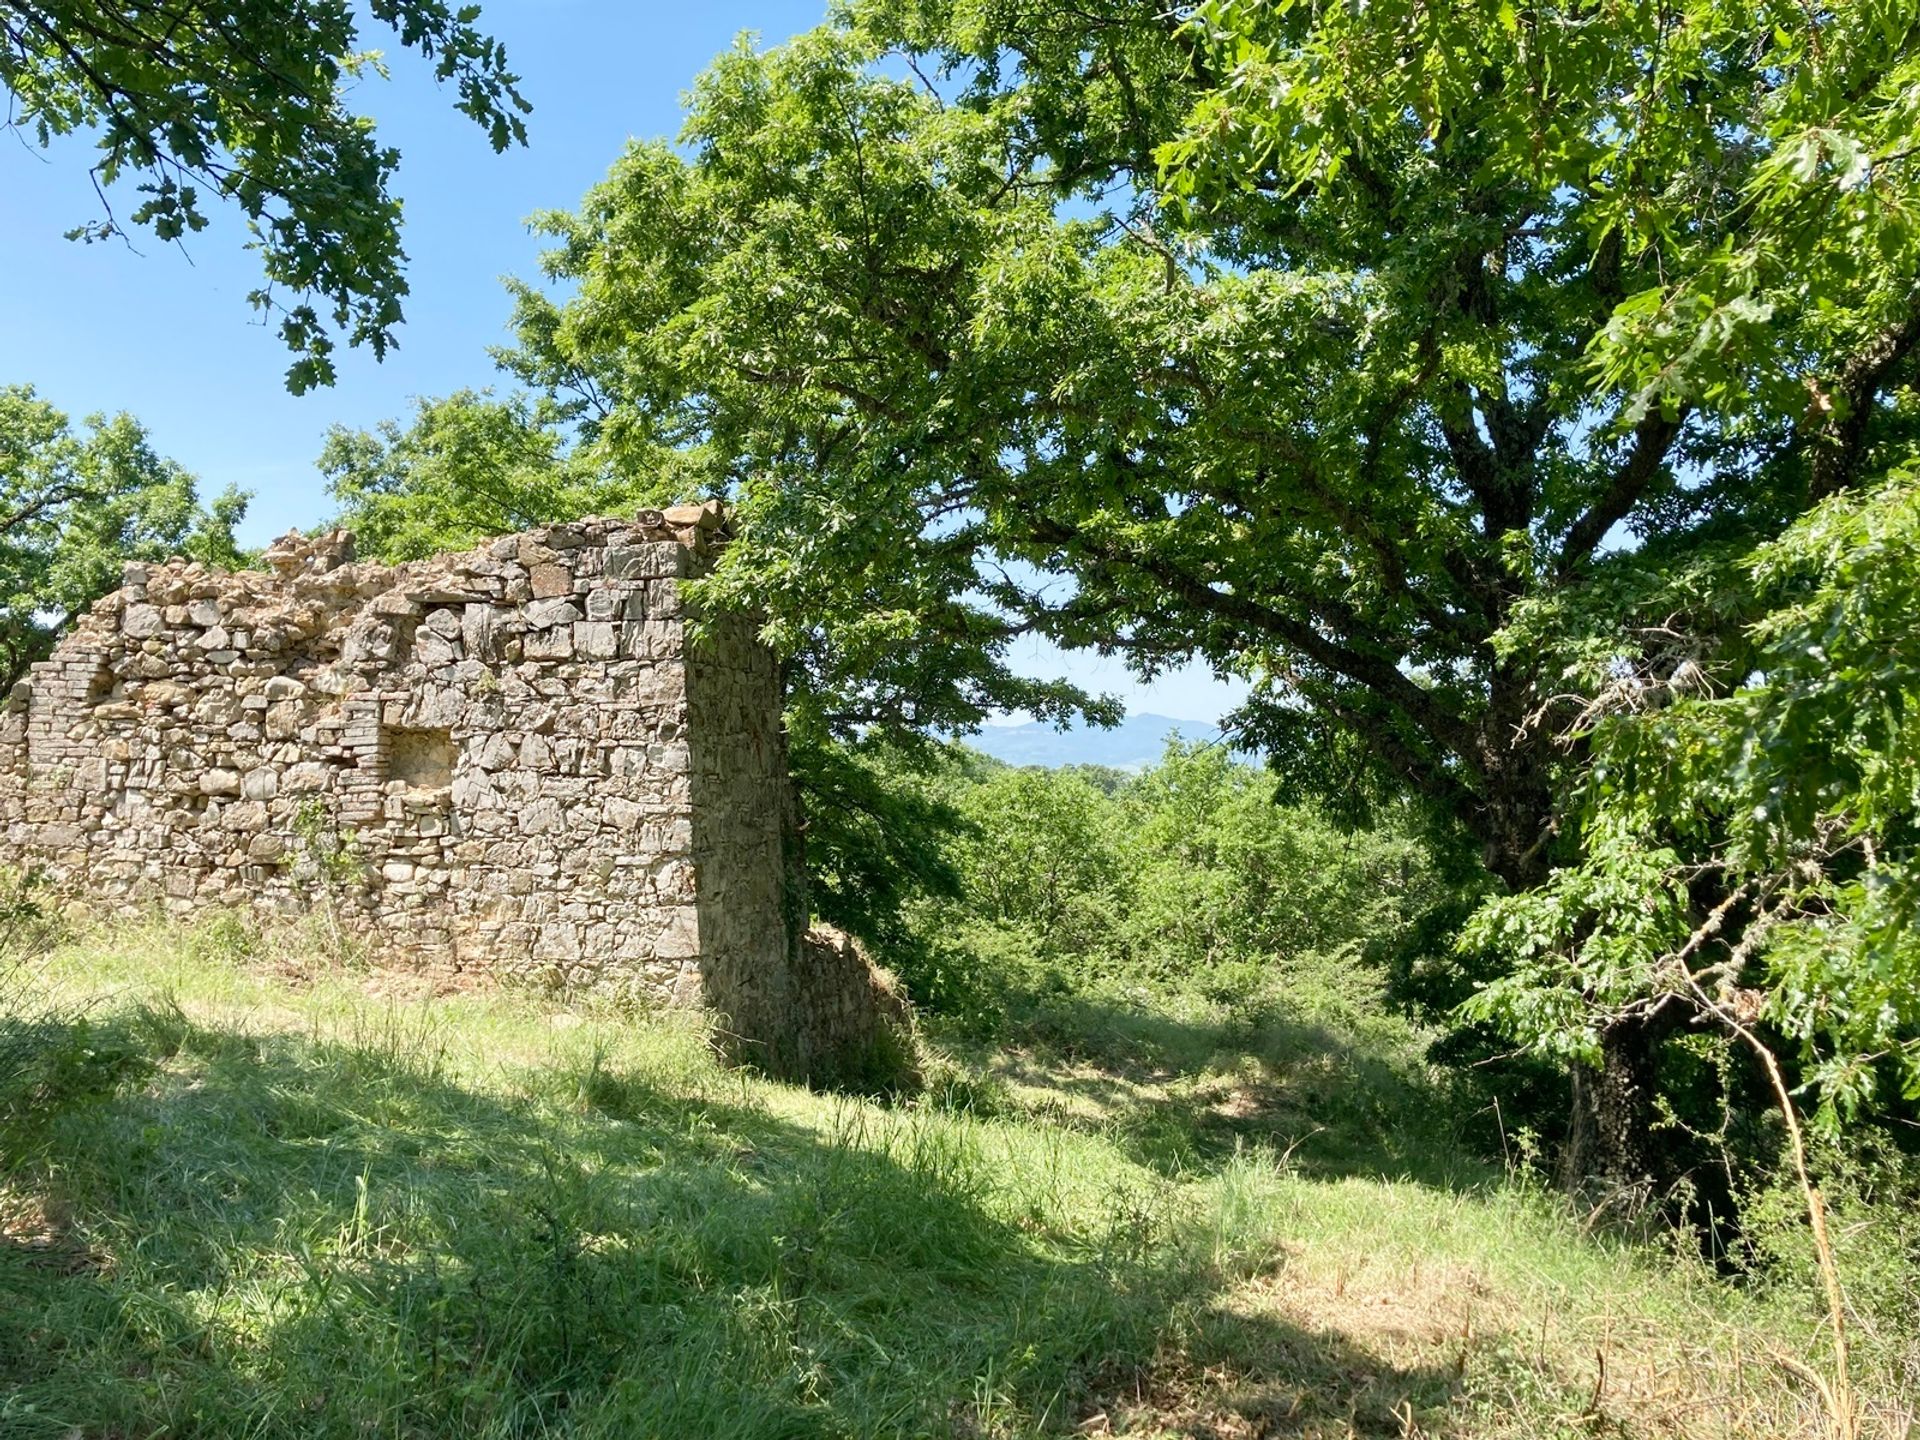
pixel 1190 878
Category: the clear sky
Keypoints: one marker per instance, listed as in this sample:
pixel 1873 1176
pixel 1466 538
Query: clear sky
pixel 167 334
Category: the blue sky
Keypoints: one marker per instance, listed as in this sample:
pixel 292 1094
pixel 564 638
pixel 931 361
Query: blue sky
pixel 166 333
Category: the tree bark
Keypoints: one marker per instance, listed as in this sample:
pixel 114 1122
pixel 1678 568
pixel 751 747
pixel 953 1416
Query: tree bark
pixel 1576 1154
pixel 1627 1158
pixel 1623 1109
pixel 1610 1138
pixel 1514 810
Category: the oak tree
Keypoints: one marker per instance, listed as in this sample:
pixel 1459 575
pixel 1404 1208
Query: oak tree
pixel 1308 342
pixel 1326 343
pixel 469 466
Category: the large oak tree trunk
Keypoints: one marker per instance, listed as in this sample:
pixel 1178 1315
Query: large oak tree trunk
pixel 1610 1137
pixel 1515 816
pixel 1611 1143
pixel 1625 1158
pixel 1575 1162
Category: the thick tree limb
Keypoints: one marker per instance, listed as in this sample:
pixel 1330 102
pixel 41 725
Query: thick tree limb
pixel 1377 673
pixel 1653 438
pixel 1836 441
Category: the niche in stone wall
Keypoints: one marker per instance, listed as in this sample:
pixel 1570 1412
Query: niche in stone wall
pixel 422 758
pixel 100 683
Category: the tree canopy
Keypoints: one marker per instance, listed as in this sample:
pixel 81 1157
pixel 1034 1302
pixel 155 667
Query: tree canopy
pixel 75 506
pixel 245 102
pixel 1313 343
pixel 1440 370
pixel 469 466
pixel 1755 855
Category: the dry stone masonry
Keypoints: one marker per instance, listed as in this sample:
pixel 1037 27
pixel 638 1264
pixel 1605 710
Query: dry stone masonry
pixel 508 761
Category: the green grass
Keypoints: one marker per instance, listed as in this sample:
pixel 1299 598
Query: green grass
pixel 270 1198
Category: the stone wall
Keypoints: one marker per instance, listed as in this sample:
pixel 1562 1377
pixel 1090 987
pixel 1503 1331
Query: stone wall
pixel 507 761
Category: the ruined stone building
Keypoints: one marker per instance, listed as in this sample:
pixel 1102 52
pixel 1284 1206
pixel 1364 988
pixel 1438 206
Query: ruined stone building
pixel 508 761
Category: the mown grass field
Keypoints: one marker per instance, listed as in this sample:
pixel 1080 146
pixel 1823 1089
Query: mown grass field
pixel 259 1195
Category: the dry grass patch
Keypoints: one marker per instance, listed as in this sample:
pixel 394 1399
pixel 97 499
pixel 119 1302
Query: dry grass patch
pixel 37 1229
pixel 1341 1346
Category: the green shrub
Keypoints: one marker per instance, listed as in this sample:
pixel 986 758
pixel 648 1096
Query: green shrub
pixel 1871 1187
pixel 1190 879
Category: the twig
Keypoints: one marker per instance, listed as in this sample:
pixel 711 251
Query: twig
pixel 1838 1397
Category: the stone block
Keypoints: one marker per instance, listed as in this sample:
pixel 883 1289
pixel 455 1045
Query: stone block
pixel 246 816
pixel 545 614
pixel 557 941
pixel 654 561
pixel 679 935
pixel 307 777
pixel 595 640
pixel 164 694
pixel 554 644
pixel 141 622
pixel 496 752
pixel 480 632
pixel 444 622
pixel 433 650
pixel 219 781
pixel 663 599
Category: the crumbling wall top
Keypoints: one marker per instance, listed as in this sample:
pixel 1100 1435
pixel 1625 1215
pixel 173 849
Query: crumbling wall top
pixel 308 579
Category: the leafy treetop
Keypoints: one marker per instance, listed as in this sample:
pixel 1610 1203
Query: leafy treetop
pixel 1318 342
pixel 469 466
pixel 74 507
pixel 245 101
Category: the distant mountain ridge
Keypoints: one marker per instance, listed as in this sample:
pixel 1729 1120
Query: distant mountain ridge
pixel 1134 744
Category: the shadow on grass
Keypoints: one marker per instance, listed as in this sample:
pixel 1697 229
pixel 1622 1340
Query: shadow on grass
pixel 274 1235
pixel 1184 1096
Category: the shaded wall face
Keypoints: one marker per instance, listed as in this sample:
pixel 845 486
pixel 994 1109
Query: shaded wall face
pixel 485 761
pixel 741 817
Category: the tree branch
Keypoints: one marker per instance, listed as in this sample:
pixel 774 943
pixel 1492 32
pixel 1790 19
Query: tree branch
pixel 1837 441
pixel 1376 673
pixel 1653 437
